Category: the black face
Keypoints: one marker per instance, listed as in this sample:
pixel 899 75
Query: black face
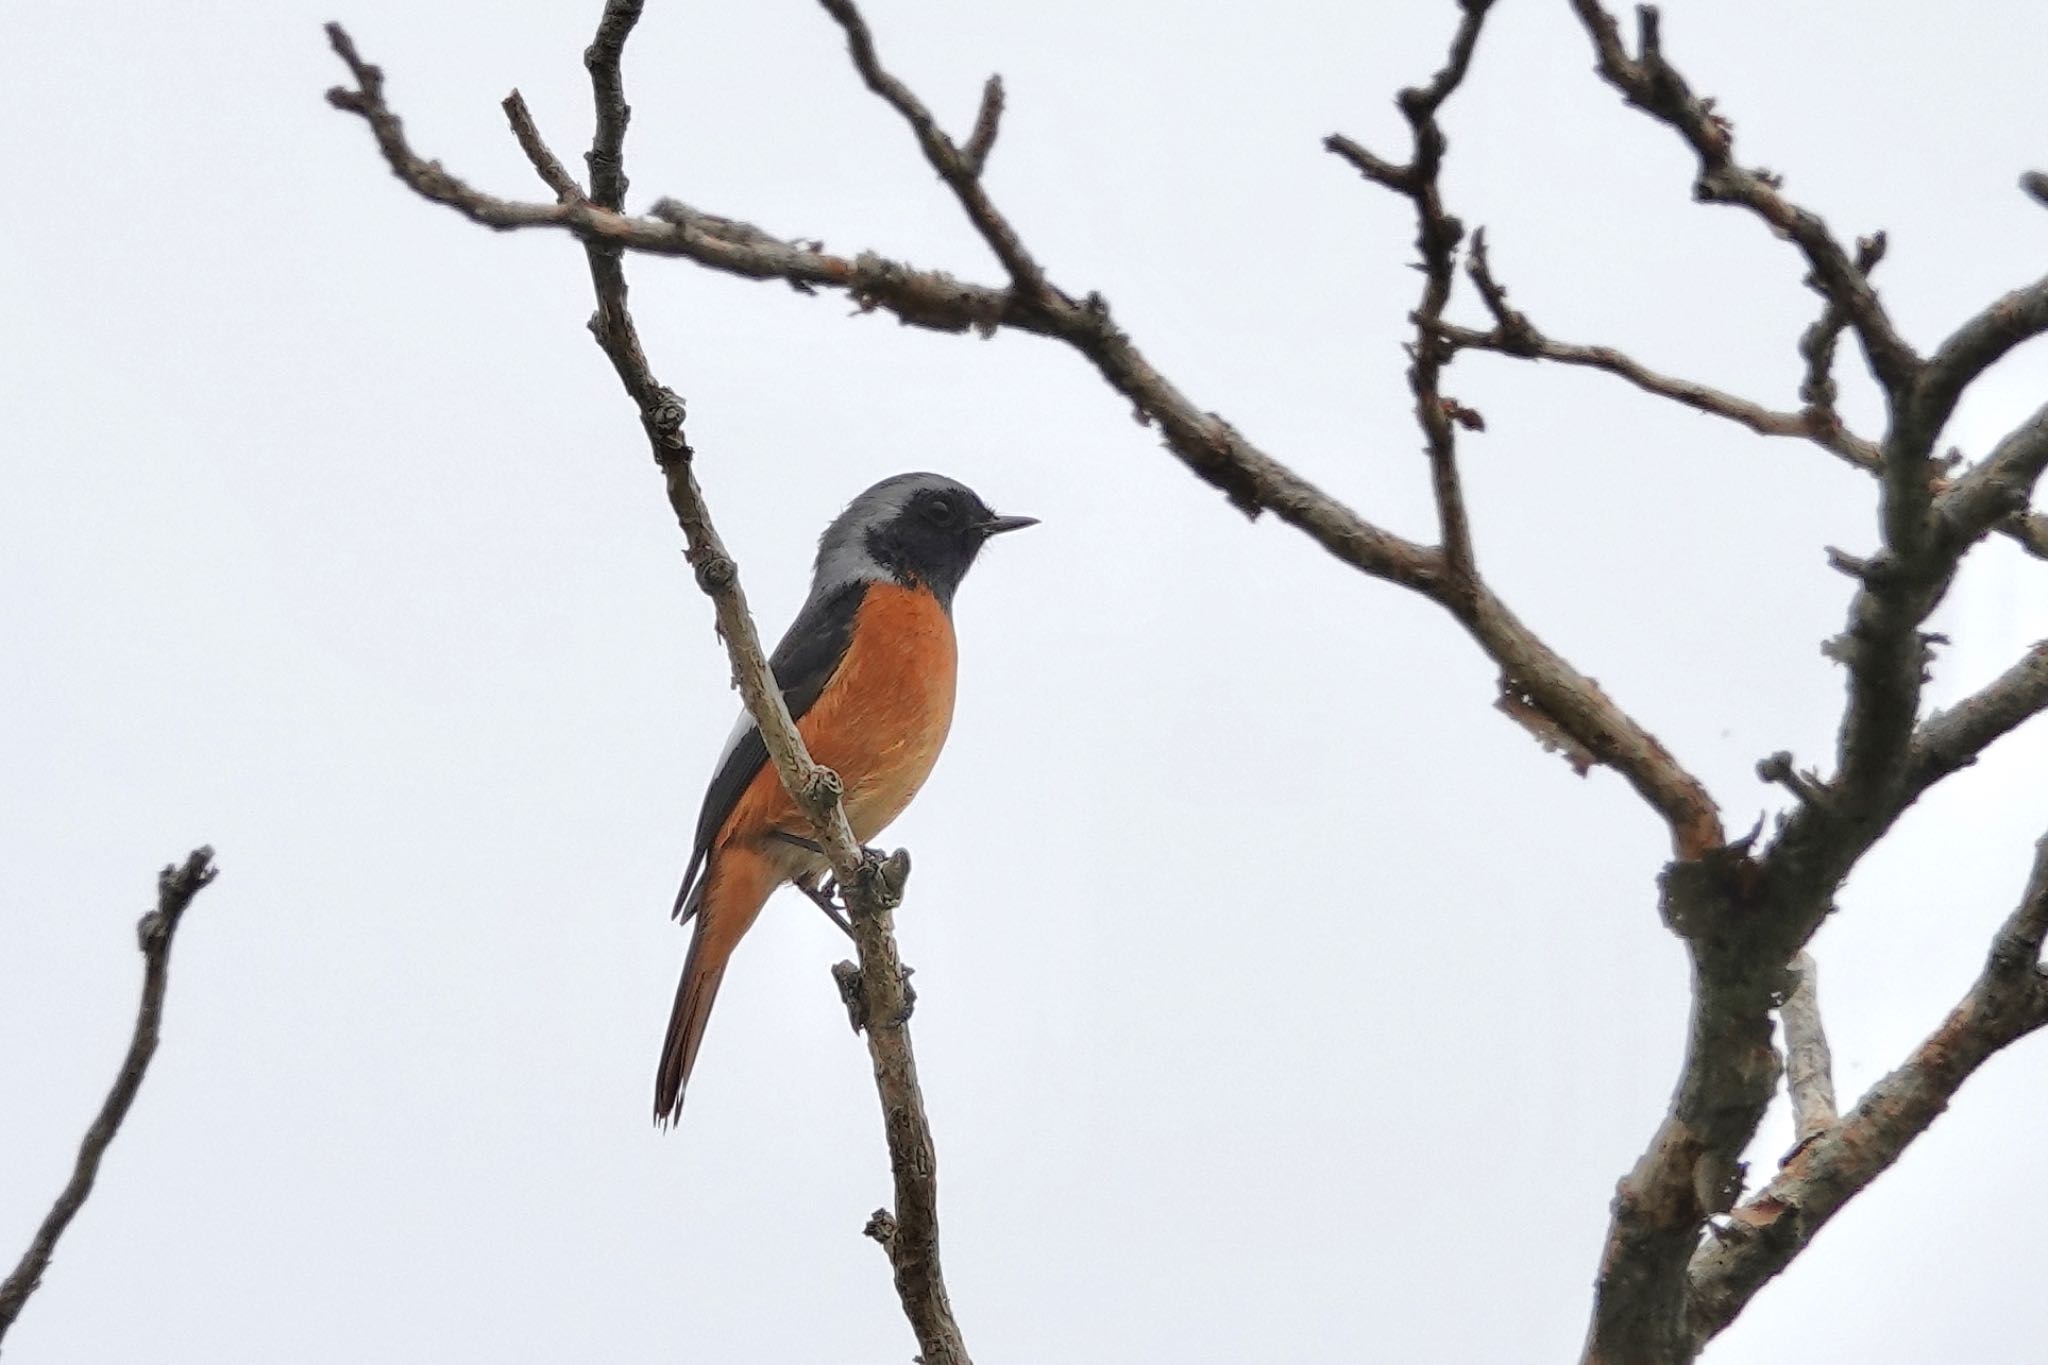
pixel 936 536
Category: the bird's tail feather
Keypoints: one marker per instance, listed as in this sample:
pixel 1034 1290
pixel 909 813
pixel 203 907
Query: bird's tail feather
pixel 694 996
pixel 728 901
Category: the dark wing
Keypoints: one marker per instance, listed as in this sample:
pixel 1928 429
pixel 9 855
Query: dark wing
pixel 803 663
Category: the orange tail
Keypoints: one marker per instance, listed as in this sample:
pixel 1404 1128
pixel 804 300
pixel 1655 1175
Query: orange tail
pixel 737 886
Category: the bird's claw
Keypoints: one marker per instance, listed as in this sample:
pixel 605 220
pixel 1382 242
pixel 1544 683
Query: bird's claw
pixel 909 999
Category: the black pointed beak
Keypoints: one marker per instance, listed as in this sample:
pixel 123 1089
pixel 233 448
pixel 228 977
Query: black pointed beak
pixel 995 526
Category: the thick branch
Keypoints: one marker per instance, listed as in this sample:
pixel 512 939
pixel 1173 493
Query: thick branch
pixel 1743 920
pixel 1886 761
pixel 2008 1001
pixel 1983 341
pixel 175 887
pixel 1691 1170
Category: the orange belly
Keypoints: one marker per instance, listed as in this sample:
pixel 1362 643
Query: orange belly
pixel 879 723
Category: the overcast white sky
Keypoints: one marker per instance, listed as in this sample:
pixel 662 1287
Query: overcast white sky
pixel 1279 999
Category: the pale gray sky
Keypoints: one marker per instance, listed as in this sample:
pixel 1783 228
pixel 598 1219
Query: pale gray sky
pixel 1279 999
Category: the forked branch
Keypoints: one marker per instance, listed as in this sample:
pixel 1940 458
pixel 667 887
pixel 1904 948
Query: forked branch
pixel 2008 1001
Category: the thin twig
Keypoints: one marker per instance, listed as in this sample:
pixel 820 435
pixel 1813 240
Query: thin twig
pixel 176 885
pixel 1851 449
pixel 1817 343
pixel 1809 1068
pixel 987 123
pixel 549 167
pixel 1806 786
pixel 961 170
pixel 607 156
pixel 1437 236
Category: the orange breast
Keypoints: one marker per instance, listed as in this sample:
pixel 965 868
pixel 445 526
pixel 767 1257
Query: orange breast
pixel 880 721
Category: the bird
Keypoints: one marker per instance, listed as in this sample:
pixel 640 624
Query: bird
pixel 867 670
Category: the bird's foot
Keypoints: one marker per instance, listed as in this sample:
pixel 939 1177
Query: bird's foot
pixel 823 893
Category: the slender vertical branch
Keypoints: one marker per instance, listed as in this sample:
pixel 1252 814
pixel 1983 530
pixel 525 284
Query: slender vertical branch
pixel 872 886
pixel 1437 237
pixel 176 886
pixel 1809 1067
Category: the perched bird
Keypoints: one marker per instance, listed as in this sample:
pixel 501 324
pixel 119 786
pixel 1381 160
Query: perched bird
pixel 867 670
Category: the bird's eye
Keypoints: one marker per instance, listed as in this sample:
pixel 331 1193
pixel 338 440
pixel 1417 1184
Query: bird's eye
pixel 939 511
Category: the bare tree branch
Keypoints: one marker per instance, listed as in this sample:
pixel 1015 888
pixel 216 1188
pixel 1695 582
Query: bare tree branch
pixel 987 122
pixel 2008 1001
pixel 1882 648
pixel 1522 338
pixel 1817 344
pixel 1437 236
pixel 545 163
pixel 1563 709
pixel 872 886
pixel 1514 334
pixel 176 886
pixel 1982 342
pixel 1950 740
pixel 960 170
pixel 1653 85
pixel 1999 487
pixel 606 158
pixel 1809 1067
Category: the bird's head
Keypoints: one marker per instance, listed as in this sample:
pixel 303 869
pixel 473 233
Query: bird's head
pixel 921 528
